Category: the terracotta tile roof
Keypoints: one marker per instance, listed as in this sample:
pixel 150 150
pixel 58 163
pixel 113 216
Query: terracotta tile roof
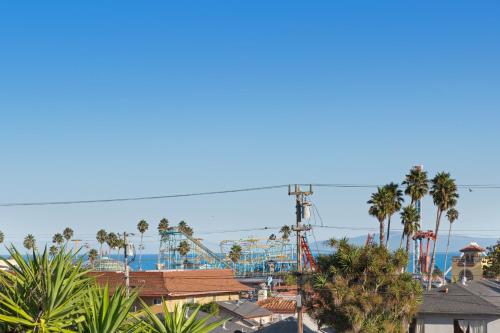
pixel 175 283
pixel 278 305
pixel 473 247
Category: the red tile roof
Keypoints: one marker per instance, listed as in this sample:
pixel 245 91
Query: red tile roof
pixel 175 283
pixel 279 305
pixel 473 247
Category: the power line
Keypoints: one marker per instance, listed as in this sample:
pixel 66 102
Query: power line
pixel 249 189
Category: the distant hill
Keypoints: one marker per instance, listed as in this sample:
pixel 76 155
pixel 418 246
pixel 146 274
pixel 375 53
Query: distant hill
pixel 456 242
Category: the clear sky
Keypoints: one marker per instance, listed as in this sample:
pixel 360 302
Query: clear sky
pixel 114 99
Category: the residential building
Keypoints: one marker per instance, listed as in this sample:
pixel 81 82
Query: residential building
pixel 178 287
pixel 247 312
pixel 456 308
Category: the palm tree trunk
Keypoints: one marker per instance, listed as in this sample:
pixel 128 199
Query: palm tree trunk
pixel 140 253
pixel 446 255
pixel 100 251
pixel 408 238
pixel 381 233
pixel 433 258
pixel 401 241
pixel 388 230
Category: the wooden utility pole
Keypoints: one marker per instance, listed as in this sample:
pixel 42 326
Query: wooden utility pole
pixel 299 204
pixel 126 272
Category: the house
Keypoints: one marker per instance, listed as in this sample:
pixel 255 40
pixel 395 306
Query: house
pixel 288 325
pixel 281 307
pixel 470 264
pixel 247 312
pixel 178 287
pixel 456 308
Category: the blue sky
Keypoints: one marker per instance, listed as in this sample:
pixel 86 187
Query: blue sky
pixel 107 99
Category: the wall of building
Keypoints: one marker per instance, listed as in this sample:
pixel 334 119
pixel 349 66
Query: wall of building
pixel 443 323
pixel 171 302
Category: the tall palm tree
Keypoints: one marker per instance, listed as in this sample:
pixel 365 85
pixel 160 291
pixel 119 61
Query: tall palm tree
pixel 58 239
pixel 29 242
pixel 394 202
pixel 142 226
pixel 416 187
pixel 101 239
pixel 53 250
pixel 185 228
pixel 378 209
pixel 410 220
pixel 92 254
pixel 163 226
pixel 184 248
pixel 444 194
pixel 112 240
pixel 285 231
pixel 452 215
pixel 235 253
pixel 2 237
pixel 68 234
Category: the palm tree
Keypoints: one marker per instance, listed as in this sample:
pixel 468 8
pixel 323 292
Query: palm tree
pixel 444 194
pixel 142 226
pixel 163 225
pixel 285 231
pixel 112 240
pixel 452 216
pixel 53 250
pixel 185 228
pixel 101 239
pixel 378 209
pixel 58 239
pixel 417 186
pixel 92 254
pixel 178 321
pixel 184 249
pixel 410 220
pixel 120 245
pixel 29 242
pixel 68 234
pixel 235 253
pixel 394 202
pixel 2 237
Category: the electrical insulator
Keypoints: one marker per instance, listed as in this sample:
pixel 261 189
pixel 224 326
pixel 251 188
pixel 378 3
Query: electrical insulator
pixel 306 211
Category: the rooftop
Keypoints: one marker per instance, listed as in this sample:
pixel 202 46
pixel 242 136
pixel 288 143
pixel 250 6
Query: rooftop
pixel 473 247
pixel 175 283
pixel 279 305
pixel 244 309
pixel 284 326
pixel 479 297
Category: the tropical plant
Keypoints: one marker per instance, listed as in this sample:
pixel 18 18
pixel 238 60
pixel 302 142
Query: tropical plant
pixel 452 215
pixel 394 202
pixel 184 248
pixel 101 239
pixel 362 289
pixel 378 209
pixel 235 253
pixel 68 234
pixel 92 254
pixel 492 270
pixel 29 242
pixel 163 226
pixel 178 321
pixel 120 245
pixel 42 295
pixel 416 186
pixel 444 194
pixel 109 312
pixel 285 231
pixel 142 226
pixel 58 239
pixel 2 237
pixel 185 228
pixel 112 240
pixel 410 220
pixel 53 250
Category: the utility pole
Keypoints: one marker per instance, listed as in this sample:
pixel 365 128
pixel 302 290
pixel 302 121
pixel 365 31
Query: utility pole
pixel 126 272
pixel 299 205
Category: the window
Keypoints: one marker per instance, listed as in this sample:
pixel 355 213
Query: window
pixel 469 326
pixel 156 301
